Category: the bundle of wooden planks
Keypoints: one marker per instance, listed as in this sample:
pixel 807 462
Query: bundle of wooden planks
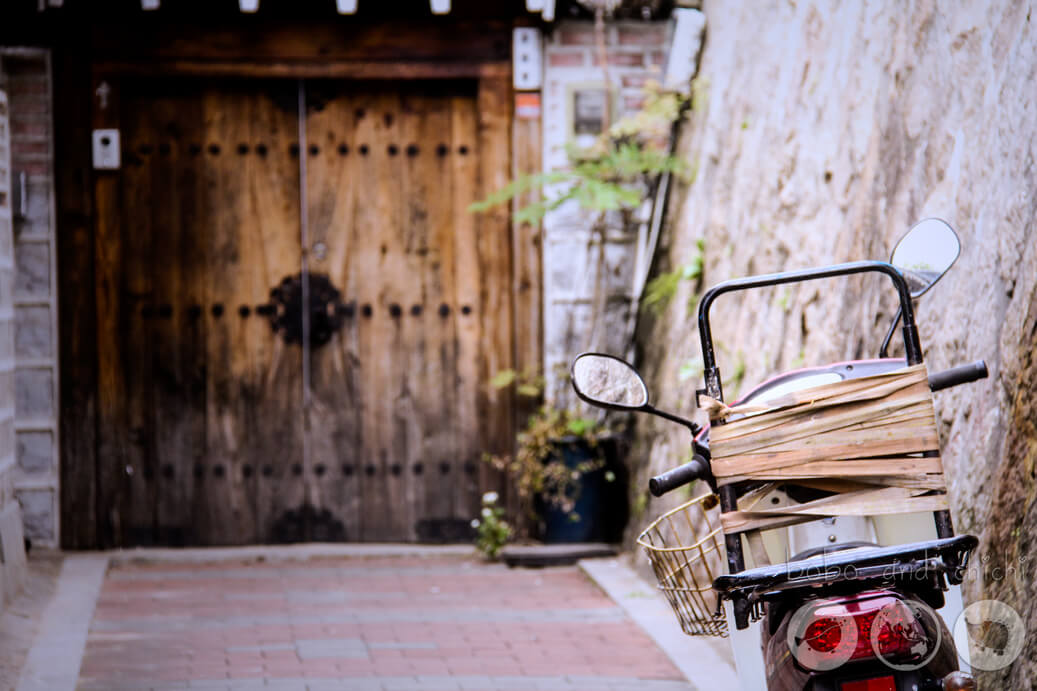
pixel 863 439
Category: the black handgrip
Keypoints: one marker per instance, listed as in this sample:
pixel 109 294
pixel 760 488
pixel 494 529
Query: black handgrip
pixel 962 374
pixel 695 469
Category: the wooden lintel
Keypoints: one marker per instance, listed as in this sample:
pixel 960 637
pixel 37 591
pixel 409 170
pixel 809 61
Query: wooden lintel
pixel 374 70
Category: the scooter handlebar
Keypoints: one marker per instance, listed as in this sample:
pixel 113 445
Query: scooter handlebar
pixel 695 469
pixel 962 374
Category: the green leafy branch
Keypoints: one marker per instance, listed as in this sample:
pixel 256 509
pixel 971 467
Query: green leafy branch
pixel 661 289
pixel 611 174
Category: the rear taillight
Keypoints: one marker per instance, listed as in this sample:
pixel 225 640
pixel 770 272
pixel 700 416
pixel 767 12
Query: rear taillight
pixel 825 634
pixel 887 683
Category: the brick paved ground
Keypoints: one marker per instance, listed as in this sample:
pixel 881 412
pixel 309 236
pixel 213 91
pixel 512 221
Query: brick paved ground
pixel 368 624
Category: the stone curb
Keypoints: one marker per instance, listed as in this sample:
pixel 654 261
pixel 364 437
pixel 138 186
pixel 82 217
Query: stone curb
pixel 269 553
pixel 55 657
pixel 706 662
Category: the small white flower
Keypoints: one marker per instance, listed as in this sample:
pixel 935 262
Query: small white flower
pixel 489 498
pixel 486 513
pixel 475 522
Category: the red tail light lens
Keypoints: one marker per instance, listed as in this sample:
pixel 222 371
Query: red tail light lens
pixel 823 635
pixel 828 633
pixel 877 684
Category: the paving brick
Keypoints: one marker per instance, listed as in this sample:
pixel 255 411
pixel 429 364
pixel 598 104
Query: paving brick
pixel 378 624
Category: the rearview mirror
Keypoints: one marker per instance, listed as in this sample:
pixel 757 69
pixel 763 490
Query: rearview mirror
pixel 607 381
pixel 925 253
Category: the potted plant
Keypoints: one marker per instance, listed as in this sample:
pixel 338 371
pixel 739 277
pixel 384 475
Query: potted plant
pixel 558 470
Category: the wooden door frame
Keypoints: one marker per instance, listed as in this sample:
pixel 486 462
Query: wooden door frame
pixel 293 51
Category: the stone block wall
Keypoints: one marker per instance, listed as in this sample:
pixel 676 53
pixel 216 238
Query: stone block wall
pixel 588 271
pixel 824 131
pixel 12 551
pixel 33 294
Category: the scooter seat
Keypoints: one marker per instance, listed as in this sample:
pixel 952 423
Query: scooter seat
pixel 948 555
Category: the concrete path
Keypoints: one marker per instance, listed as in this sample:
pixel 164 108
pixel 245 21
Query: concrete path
pixel 377 622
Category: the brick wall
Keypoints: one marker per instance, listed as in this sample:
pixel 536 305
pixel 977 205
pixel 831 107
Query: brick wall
pixel 34 292
pixel 12 553
pixel 577 316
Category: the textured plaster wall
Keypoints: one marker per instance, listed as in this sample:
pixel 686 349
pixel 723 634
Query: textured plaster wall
pixel 822 132
pixel 577 315
pixel 33 294
pixel 12 551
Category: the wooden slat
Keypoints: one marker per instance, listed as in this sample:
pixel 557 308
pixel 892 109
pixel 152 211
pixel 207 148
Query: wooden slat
pixel 111 402
pixel 376 228
pixel 139 180
pixel 855 438
pixel 899 466
pixel 888 500
pixel 78 355
pixel 267 386
pixel 397 420
pixel 431 216
pixel 527 269
pixel 335 203
pixel 471 403
pixel 179 356
pixel 494 246
pixel 887 419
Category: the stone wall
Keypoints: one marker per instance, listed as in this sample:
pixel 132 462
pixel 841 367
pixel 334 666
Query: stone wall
pixel 821 134
pixel 588 274
pixel 34 291
pixel 12 551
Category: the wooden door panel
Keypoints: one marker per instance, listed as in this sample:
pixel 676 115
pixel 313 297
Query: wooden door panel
pixel 203 414
pixel 396 391
pixel 205 434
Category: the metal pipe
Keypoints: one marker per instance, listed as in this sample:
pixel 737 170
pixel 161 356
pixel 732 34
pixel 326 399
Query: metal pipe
pixel 712 373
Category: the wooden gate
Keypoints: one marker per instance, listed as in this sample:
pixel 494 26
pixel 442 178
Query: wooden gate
pixel 271 370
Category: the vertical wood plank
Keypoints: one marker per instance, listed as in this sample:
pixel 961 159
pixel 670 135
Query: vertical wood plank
pixel 138 178
pixel 178 327
pixel 527 269
pixel 337 407
pixel 111 436
pixel 397 404
pixel 373 224
pixel 436 353
pixel 254 389
pixel 415 416
pixel 472 403
pixel 76 296
pixel 494 245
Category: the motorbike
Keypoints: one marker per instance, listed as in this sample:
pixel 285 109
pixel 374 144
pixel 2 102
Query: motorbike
pixel 853 609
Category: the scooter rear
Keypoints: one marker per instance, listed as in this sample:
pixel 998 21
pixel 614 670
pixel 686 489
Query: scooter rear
pixel 826 442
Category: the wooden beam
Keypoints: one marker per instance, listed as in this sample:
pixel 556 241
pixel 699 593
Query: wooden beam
pixel 308 70
pixel 271 42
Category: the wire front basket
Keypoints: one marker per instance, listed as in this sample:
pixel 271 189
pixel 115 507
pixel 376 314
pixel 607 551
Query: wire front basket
pixel 685 548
